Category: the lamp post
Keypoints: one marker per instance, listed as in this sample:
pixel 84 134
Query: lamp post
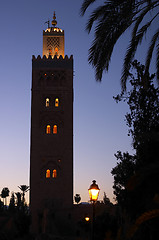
pixel 93 194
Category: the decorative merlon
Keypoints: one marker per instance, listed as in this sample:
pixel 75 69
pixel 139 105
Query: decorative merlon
pixel 52 58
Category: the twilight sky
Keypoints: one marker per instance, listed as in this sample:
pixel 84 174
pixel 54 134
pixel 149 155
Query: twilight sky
pixel 99 126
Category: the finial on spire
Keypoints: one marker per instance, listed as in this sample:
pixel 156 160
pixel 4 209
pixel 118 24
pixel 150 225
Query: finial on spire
pixel 54 22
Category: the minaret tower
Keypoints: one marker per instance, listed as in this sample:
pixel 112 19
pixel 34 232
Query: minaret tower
pixel 51 152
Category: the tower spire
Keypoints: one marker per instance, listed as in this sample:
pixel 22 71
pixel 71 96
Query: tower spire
pixel 53 39
pixel 54 22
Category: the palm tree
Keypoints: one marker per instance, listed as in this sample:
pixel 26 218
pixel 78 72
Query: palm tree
pixel 4 194
pixel 106 200
pixel 111 20
pixel 18 201
pixel 24 189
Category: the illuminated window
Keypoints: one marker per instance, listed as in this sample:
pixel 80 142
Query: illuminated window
pixel 54 173
pixel 50 51
pixel 55 129
pixel 47 102
pixel 56 102
pixel 45 76
pixel 56 51
pixel 48 129
pixel 47 173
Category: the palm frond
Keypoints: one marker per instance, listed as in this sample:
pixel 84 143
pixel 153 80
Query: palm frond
pixel 150 50
pixel 111 20
pixel 109 29
pixel 102 63
pixel 139 19
pixel 101 50
pixel 131 50
pixel 85 5
pixel 157 62
pixel 96 15
pixel 111 14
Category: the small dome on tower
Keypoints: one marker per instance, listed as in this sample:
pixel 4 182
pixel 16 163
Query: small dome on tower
pixel 54 22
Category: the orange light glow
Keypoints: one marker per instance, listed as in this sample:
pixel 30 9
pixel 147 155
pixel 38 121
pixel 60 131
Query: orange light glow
pixel 50 51
pixel 55 29
pixel 54 174
pixel 55 129
pixel 47 173
pixel 93 191
pixel 48 129
pixel 87 219
pixel 56 102
pixel 47 102
pixel 56 51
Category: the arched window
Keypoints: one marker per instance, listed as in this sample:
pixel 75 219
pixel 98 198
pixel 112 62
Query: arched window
pixel 47 102
pixel 56 102
pixel 45 76
pixel 54 173
pixel 48 129
pixel 50 51
pixel 48 173
pixel 56 51
pixel 55 129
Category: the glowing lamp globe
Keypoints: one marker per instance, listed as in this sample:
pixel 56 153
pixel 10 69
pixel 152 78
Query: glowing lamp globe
pixel 87 219
pixel 93 191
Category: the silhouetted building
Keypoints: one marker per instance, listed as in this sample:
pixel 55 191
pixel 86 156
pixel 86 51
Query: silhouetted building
pixel 51 153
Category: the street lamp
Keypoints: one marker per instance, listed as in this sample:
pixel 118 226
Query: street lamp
pixel 93 194
pixel 93 191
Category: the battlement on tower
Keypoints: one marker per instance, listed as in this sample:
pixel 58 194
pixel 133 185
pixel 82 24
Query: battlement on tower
pixel 53 31
pixel 54 62
pixel 52 58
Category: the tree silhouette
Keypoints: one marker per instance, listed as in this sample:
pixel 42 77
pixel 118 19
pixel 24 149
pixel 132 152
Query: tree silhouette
pixel 18 201
pixel 143 123
pixel 24 189
pixel 12 202
pixel 111 20
pixel 136 176
pixel 5 194
pixel 77 198
pixel 106 200
pixel 1 206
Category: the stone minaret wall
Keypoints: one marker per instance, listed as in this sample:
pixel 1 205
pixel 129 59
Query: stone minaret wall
pixel 52 78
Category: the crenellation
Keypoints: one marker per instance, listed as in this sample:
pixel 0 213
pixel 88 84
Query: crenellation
pixel 60 57
pixel 55 58
pixel 53 30
pixel 44 57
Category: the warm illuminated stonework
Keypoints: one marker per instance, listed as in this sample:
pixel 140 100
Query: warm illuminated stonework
pixel 53 40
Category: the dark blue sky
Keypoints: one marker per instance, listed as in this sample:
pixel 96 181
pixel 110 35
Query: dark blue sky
pixel 99 126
